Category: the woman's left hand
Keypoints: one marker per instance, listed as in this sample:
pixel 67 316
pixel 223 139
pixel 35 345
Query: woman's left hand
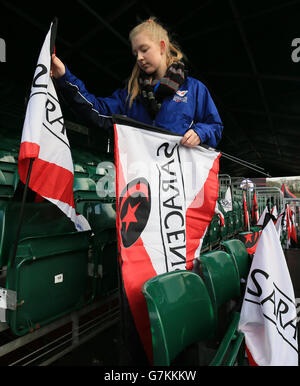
pixel 190 139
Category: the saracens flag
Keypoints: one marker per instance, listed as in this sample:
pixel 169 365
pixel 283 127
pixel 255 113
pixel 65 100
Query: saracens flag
pixel 166 197
pixel 286 192
pixel 246 214
pixel 254 214
pixel 268 315
pixel 44 140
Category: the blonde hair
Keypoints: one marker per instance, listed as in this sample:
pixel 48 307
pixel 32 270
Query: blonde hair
pixel 157 33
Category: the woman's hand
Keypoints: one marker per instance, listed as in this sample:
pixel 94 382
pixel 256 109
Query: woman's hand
pixel 58 69
pixel 190 139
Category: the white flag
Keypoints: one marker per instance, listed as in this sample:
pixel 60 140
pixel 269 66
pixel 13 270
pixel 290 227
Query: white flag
pixel 262 217
pixel 226 202
pixel 268 316
pixel 45 140
pixel 274 211
pixel 166 198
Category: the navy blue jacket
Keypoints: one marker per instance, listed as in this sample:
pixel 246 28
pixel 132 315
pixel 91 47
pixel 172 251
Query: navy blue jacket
pixel 190 107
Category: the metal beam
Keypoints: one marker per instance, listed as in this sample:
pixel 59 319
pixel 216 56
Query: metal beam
pixel 257 112
pixel 229 24
pixel 91 33
pixel 251 76
pixel 104 22
pixel 255 72
pixel 44 28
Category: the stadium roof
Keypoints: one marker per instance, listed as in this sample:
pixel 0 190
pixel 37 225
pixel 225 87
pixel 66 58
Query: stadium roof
pixel 242 51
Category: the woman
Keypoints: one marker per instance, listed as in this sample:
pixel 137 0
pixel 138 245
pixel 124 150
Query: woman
pixel 158 93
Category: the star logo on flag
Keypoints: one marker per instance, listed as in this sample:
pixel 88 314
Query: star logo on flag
pixel 135 205
pixel 130 215
pixel 248 238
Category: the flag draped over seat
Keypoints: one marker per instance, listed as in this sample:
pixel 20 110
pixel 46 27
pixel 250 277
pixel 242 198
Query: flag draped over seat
pixel 268 316
pixel 44 139
pixel 166 197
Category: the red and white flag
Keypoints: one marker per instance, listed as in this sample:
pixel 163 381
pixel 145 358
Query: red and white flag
pixel 219 212
pixel 286 192
pixel 246 214
pixel 44 139
pixel 290 220
pixel 262 217
pixel 166 197
pixel 226 202
pixel 255 213
pixel 268 316
pixel 274 211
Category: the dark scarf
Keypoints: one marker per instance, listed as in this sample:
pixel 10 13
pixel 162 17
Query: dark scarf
pixel 169 84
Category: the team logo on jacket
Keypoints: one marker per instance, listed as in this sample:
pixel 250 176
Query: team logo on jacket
pixel 134 208
pixel 180 96
pixel 181 93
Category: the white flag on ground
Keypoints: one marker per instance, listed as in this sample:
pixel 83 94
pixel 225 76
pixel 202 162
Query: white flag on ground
pixel 44 139
pixel 268 316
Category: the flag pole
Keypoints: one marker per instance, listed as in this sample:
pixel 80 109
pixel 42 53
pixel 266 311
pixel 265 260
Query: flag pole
pixel 21 216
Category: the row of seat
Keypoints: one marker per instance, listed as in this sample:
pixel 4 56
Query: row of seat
pixel 233 224
pixel 56 269
pixel 192 315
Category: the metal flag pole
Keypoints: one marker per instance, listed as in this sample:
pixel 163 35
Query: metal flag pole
pixel 21 216
pixel 31 160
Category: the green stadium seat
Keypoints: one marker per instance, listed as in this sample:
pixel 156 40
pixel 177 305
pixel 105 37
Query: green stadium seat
pixel 238 217
pixel 214 231
pixel 107 262
pixel 2 178
pixel 40 219
pixel 237 250
pixel 220 277
pixel 230 223
pixel 9 178
pixel 50 278
pixel 79 171
pixel 101 215
pixel 84 187
pixel 181 313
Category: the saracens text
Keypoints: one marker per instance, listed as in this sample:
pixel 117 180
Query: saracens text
pixel 171 206
pixel 276 306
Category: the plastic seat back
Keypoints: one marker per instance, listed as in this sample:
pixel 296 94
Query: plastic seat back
pixel 220 276
pixel 237 250
pixel 50 278
pixel 180 313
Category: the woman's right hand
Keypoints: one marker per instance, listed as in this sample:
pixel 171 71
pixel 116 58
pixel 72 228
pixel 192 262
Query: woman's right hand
pixel 58 69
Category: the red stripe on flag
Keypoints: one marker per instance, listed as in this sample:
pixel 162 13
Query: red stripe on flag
pixel 136 260
pixel 200 213
pixel 250 358
pixel 49 180
pixel 28 150
pixel 119 186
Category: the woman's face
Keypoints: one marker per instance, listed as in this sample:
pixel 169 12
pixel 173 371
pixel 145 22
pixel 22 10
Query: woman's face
pixel 149 54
